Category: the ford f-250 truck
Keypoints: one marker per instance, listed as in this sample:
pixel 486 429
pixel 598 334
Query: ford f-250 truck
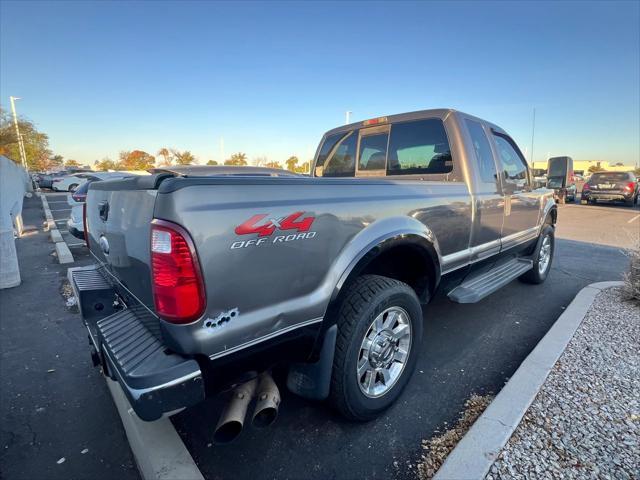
pixel 207 278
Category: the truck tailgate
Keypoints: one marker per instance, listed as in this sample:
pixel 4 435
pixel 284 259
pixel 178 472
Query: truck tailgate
pixel 118 224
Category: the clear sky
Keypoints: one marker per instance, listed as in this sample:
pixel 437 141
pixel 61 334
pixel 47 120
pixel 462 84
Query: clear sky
pixel 271 78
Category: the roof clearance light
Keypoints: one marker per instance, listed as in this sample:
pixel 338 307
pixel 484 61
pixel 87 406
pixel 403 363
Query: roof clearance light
pixel 375 121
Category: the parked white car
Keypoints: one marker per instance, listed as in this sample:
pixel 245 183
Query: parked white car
pixel 76 199
pixel 69 183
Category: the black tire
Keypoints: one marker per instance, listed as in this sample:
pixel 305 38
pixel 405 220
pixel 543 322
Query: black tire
pixel 630 203
pixel 365 299
pixel 534 275
pixel 72 187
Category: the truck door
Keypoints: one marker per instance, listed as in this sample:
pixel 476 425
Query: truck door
pixel 522 206
pixel 489 200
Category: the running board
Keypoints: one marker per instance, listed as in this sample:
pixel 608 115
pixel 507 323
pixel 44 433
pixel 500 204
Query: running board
pixel 476 288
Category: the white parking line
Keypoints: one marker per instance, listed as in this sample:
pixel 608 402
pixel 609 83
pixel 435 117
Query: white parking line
pixel 634 218
pixel 61 209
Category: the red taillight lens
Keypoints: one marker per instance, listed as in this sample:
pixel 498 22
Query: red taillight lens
pixel 79 197
pixel 586 186
pixel 178 288
pixel 630 186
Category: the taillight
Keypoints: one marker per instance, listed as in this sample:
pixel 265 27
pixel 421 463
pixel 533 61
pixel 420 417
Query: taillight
pixel 178 287
pixel 586 186
pixel 79 197
pixel 630 186
pixel 84 224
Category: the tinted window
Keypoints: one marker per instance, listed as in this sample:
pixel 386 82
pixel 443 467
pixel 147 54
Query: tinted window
pixel 514 167
pixel 342 162
pixel 373 152
pixel 83 189
pixel 482 148
pixel 610 177
pixel 325 150
pixel 419 147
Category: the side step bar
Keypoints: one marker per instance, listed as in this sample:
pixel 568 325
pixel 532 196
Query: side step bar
pixel 476 288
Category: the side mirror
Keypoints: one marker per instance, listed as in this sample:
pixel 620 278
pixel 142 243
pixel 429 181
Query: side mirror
pixel 560 171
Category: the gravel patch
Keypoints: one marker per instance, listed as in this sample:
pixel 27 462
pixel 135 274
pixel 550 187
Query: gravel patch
pixel 585 421
pixel 438 447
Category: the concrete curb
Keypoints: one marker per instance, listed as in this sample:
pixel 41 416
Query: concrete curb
pixel 156 446
pixel 62 249
pixel 475 453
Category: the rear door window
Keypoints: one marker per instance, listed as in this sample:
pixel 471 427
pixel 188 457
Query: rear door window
pixel 419 147
pixel 484 156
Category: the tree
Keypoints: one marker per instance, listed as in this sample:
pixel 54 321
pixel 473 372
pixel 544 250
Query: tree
pixel 595 168
pixel 239 159
pixel 36 144
pixel 71 163
pixel 304 168
pixel 183 158
pixel 56 160
pixel 291 163
pixel 105 164
pixel 136 160
pixel 212 162
pixel 166 154
pixel 273 165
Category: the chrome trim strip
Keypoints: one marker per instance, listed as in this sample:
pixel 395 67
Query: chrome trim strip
pixel 475 254
pixel 140 392
pixel 266 337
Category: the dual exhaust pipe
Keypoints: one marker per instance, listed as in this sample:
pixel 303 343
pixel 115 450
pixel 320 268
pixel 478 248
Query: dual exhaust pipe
pixel 267 395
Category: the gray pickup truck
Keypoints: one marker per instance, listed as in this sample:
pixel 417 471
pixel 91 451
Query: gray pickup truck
pixel 207 279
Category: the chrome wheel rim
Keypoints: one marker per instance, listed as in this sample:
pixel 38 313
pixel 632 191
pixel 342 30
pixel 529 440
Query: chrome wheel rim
pixel 544 258
pixel 384 352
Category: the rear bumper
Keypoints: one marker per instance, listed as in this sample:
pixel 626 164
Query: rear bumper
pixel 610 196
pixel 154 380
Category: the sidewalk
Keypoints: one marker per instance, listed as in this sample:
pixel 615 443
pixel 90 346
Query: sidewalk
pixel 585 421
pixel 58 418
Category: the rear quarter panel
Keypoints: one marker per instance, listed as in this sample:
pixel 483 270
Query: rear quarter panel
pixel 279 285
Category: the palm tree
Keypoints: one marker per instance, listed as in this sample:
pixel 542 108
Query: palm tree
pixel 166 154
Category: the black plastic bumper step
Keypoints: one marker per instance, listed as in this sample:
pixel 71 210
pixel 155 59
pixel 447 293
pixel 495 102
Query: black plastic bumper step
pixel 478 287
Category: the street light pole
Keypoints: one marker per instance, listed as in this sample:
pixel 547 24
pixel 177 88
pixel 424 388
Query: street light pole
pixel 23 156
pixel 347 117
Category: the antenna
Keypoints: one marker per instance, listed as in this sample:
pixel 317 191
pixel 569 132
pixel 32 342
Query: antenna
pixel 533 132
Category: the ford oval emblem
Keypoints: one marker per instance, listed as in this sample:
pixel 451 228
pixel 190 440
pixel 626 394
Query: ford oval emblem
pixel 104 244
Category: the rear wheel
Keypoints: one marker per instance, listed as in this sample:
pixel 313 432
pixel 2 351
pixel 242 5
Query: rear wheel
pixel 379 335
pixel 630 203
pixel 542 257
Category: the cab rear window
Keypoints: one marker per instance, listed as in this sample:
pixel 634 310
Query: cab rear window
pixel 419 147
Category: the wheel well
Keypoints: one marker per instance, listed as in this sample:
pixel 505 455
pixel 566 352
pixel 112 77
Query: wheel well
pixel 553 213
pixel 409 263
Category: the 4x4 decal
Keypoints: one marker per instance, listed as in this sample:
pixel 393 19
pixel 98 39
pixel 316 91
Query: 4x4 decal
pixel 265 226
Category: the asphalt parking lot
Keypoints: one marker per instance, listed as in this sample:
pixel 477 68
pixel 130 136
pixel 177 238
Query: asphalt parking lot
pixel 61 210
pixel 466 349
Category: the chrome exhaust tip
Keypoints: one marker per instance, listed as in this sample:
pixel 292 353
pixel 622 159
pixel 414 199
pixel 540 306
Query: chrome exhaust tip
pixel 267 403
pixel 232 419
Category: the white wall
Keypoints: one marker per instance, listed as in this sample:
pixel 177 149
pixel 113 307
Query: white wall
pixel 14 183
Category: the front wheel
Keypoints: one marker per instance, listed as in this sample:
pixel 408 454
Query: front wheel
pixel 542 257
pixel 379 335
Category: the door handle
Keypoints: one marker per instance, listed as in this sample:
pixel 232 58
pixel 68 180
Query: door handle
pixel 103 210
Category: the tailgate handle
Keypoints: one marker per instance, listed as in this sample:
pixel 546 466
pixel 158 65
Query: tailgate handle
pixel 103 210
